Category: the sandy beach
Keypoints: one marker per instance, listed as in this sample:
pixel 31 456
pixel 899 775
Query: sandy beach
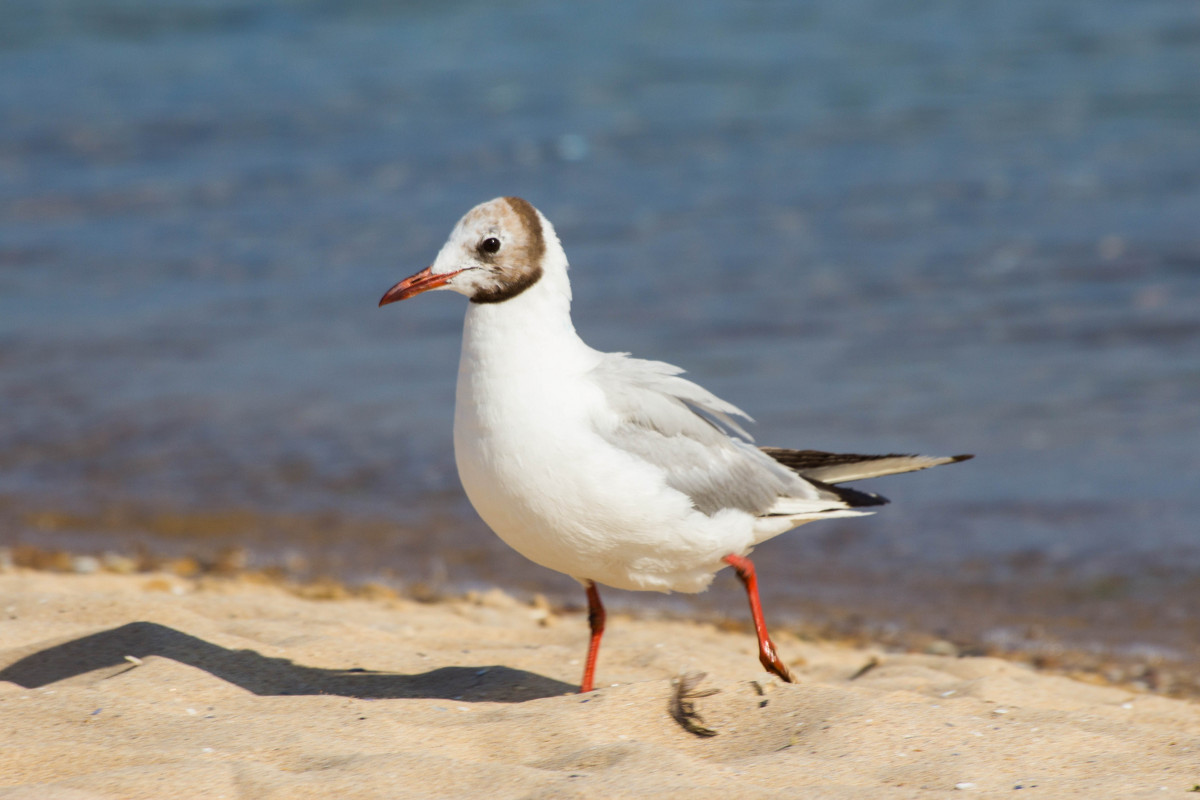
pixel 152 685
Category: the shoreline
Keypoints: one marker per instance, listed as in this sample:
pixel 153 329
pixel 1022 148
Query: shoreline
pixel 1026 642
pixel 1125 621
pixel 117 685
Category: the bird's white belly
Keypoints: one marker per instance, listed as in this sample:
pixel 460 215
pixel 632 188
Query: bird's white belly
pixel 553 490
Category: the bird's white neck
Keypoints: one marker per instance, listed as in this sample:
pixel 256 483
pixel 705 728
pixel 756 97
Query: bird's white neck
pixel 530 332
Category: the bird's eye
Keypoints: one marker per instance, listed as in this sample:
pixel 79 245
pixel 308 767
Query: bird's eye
pixel 490 245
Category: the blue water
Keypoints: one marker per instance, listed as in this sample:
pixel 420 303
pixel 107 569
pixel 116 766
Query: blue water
pixel 876 225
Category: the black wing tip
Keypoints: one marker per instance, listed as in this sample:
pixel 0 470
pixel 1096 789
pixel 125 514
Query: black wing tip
pixel 863 499
pixel 964 457
pixel 854 498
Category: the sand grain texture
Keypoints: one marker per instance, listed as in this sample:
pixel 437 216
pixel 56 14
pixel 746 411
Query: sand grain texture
pixel 153 687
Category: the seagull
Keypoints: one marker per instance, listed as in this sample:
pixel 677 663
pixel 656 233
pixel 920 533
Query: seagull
pixel 612 469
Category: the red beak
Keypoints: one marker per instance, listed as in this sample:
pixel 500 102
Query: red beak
pixel 423 281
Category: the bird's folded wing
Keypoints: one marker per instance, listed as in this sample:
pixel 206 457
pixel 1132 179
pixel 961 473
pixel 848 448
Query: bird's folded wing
pixel 687 432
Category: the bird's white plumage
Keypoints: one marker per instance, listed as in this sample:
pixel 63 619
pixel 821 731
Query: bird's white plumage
pixel 598 465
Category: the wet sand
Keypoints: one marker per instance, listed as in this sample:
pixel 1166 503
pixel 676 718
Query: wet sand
pixel 155 685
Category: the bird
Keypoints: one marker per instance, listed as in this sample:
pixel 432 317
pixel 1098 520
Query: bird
pixel 612 469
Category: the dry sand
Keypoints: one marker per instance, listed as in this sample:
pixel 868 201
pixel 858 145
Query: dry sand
pixel 155 686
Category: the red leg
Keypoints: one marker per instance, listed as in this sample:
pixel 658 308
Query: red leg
pixel 596 623
pixel 766 648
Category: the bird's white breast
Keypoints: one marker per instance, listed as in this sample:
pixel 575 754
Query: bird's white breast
pixel 537 472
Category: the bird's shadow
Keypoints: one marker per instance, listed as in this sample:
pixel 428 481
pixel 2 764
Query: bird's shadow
pixel 108 650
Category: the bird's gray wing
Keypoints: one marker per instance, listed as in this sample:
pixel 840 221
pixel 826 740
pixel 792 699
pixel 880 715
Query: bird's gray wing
pixel 690 434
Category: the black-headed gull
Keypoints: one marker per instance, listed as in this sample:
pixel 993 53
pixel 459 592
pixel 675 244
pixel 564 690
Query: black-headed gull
pixel 608 468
